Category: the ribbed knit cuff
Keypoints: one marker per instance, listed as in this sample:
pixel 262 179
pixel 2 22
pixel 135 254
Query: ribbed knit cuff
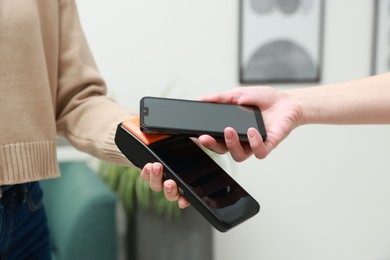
pixel 26 162
pixel 109 151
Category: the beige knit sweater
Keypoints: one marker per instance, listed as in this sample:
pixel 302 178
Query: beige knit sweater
pixel 49 85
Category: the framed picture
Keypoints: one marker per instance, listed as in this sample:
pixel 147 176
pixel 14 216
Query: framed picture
pixel 280 41
pixel 381 45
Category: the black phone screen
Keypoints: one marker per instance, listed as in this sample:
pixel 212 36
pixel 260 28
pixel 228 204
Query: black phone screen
pixel 172 116
pixel 201 174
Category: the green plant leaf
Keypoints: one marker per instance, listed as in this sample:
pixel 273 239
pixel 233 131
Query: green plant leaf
pixel 128 196
pixel 143 191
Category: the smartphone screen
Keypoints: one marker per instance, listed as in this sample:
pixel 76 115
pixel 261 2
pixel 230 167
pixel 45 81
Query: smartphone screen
pixel 228 201
pixel 178 116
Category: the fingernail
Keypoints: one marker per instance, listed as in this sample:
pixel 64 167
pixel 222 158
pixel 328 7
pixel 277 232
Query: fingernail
pixel 168 188
pixel 156 169
pixel 251 133
pixel 228 135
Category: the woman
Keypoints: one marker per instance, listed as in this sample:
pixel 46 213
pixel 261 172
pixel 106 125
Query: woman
pixel 49 86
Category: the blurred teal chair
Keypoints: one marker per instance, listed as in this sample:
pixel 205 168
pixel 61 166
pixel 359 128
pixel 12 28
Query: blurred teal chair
pixel 81 214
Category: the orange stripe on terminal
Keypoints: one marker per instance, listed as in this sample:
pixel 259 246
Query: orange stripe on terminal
pixel 133 125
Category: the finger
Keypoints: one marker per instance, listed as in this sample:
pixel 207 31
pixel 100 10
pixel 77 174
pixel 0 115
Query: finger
pixel 225 97
pixel 156 176
pixel 256 143
pixel 239 95
pixel 212 144
pixel 170 190
pixel 171 193
pixel 237 150
pixel 182 202
pixel 145 172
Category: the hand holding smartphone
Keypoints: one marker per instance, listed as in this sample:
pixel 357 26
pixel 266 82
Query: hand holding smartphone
pixel 193 118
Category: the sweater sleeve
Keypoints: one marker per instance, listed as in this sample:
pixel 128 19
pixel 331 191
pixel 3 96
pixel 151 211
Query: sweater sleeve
pixel 84 114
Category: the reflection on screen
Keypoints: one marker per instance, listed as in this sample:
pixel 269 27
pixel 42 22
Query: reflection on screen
pixel 205 177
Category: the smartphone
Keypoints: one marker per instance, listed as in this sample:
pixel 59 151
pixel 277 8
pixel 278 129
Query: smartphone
pixel 194 118
pixel 211 190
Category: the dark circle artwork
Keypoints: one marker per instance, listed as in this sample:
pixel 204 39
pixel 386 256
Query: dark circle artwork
pixel 280 60
pixel 262 6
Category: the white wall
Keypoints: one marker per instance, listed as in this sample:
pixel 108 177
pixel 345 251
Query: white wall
pixel 325 190
pixel 146 47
